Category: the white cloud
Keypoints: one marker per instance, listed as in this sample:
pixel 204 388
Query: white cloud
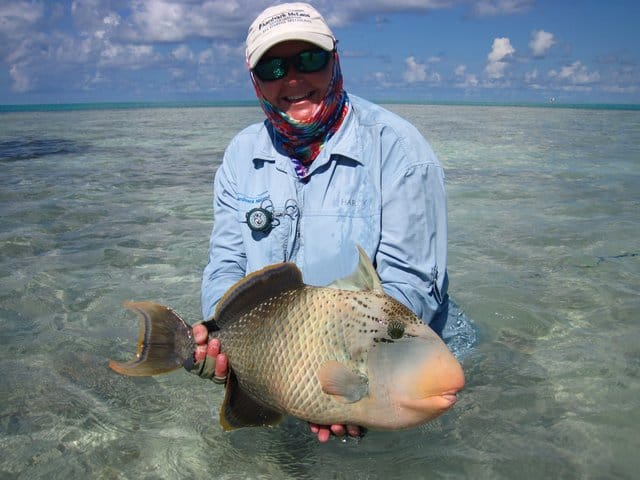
pixel 130 56
pixel 183 54
pixel 540 43
pixel 205 56
pixel 381 79
pixel 110 23
pixel 21 82
pixel 534 81
pixel 501 50
pixel 179 20
pixel 90 16
pixel 621 89
pixel 18 16
pixel 464 79
pixel 575 74
pixel 162 21
pixel 340 14
pixel 531 77
pixel 19 37
pixel 415 72
pixel 484 8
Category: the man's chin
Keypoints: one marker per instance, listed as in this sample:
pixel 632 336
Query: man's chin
pixel 301 110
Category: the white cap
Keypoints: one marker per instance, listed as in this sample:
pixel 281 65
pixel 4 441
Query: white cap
pixel 288 21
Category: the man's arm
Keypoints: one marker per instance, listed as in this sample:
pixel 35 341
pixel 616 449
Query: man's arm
pixel 227 257
pixel 412 256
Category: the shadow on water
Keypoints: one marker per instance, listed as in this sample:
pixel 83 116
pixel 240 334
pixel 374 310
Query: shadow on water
pixel 28 149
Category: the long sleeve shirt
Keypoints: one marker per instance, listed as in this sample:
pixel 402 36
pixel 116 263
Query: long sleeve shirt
pixel 376 183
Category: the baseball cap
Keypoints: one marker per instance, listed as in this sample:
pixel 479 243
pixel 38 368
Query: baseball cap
pixel 287 21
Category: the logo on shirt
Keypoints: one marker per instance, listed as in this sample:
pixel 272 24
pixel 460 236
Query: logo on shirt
pixel 253 199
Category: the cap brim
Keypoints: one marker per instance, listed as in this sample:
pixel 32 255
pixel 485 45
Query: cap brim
pixel 321 40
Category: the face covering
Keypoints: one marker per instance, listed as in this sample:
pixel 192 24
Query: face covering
pixel 303 140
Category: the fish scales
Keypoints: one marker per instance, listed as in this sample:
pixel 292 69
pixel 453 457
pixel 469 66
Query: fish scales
pixel 300 330
pixel 279 365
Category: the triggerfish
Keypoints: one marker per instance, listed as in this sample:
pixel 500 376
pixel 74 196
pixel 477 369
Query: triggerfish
pixel 347 353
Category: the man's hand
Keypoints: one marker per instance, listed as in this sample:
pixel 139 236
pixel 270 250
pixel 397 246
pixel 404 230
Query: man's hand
pixel 209 352
pixel 324 431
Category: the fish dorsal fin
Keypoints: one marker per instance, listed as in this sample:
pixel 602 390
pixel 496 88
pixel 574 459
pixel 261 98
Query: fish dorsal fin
pixel 255 288
pixel 345 385
pixel 364 276
pixel 240 410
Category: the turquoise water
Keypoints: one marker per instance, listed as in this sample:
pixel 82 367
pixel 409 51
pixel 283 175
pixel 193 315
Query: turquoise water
pixel 63 107
pixel 99 206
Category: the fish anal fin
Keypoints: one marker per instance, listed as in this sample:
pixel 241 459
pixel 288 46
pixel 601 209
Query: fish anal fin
pixel 364 277
pixel 256 288
pixel 343 384
pixel 240 410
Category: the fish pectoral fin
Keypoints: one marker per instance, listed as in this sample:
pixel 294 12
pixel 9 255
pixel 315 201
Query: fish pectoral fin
pixel 240 410
pixel 345 385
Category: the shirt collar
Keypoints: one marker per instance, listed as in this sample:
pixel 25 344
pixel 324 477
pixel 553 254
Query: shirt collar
pixel 345 142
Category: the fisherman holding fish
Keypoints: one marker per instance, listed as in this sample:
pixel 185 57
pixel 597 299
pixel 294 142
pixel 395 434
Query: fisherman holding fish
pixel 325 171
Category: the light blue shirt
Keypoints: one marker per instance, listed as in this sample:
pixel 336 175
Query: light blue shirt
pixel 376 183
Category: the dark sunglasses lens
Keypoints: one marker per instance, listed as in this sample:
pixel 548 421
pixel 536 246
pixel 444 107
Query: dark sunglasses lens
pixel 312 61
pixel 273 69
pixel 309 61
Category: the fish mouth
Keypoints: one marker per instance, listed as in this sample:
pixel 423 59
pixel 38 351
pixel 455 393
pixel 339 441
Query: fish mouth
pixel 436 404
pixel 450 398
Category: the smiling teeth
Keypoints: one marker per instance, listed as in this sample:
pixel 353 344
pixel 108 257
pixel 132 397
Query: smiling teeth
pixel 296 99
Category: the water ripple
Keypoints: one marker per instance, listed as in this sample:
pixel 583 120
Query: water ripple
pixel 27 149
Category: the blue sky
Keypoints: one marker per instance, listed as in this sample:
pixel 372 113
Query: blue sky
pixel 409 50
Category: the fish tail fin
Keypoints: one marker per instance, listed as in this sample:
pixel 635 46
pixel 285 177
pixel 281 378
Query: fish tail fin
pixel 165 342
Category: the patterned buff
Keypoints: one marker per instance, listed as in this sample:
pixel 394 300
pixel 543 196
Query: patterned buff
pixel 303 140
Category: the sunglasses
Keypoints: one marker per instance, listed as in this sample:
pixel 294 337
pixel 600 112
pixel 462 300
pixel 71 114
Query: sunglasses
pixel 275 68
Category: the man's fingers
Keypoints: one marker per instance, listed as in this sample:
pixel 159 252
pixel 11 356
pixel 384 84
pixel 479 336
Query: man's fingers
pixel 324 433
pixel 213 348
pixel 204 349
pixel 200 353
pixel 200 334
pixel 222 365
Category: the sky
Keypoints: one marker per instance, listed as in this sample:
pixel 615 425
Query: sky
pixel 564 51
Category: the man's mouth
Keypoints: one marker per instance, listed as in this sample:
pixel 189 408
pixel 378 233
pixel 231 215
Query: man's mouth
pixel 298 98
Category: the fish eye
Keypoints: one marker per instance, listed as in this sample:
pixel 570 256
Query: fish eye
pixel 395 329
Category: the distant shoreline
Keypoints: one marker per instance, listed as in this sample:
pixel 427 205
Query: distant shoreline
pixel 66 107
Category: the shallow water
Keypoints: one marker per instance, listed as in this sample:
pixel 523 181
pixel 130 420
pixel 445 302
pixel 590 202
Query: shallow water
pixel 102 206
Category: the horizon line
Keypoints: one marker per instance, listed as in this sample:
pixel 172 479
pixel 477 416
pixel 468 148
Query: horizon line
pixel 133 104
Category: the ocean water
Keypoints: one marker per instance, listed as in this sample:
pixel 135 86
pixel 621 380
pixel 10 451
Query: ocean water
pixel 100 206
